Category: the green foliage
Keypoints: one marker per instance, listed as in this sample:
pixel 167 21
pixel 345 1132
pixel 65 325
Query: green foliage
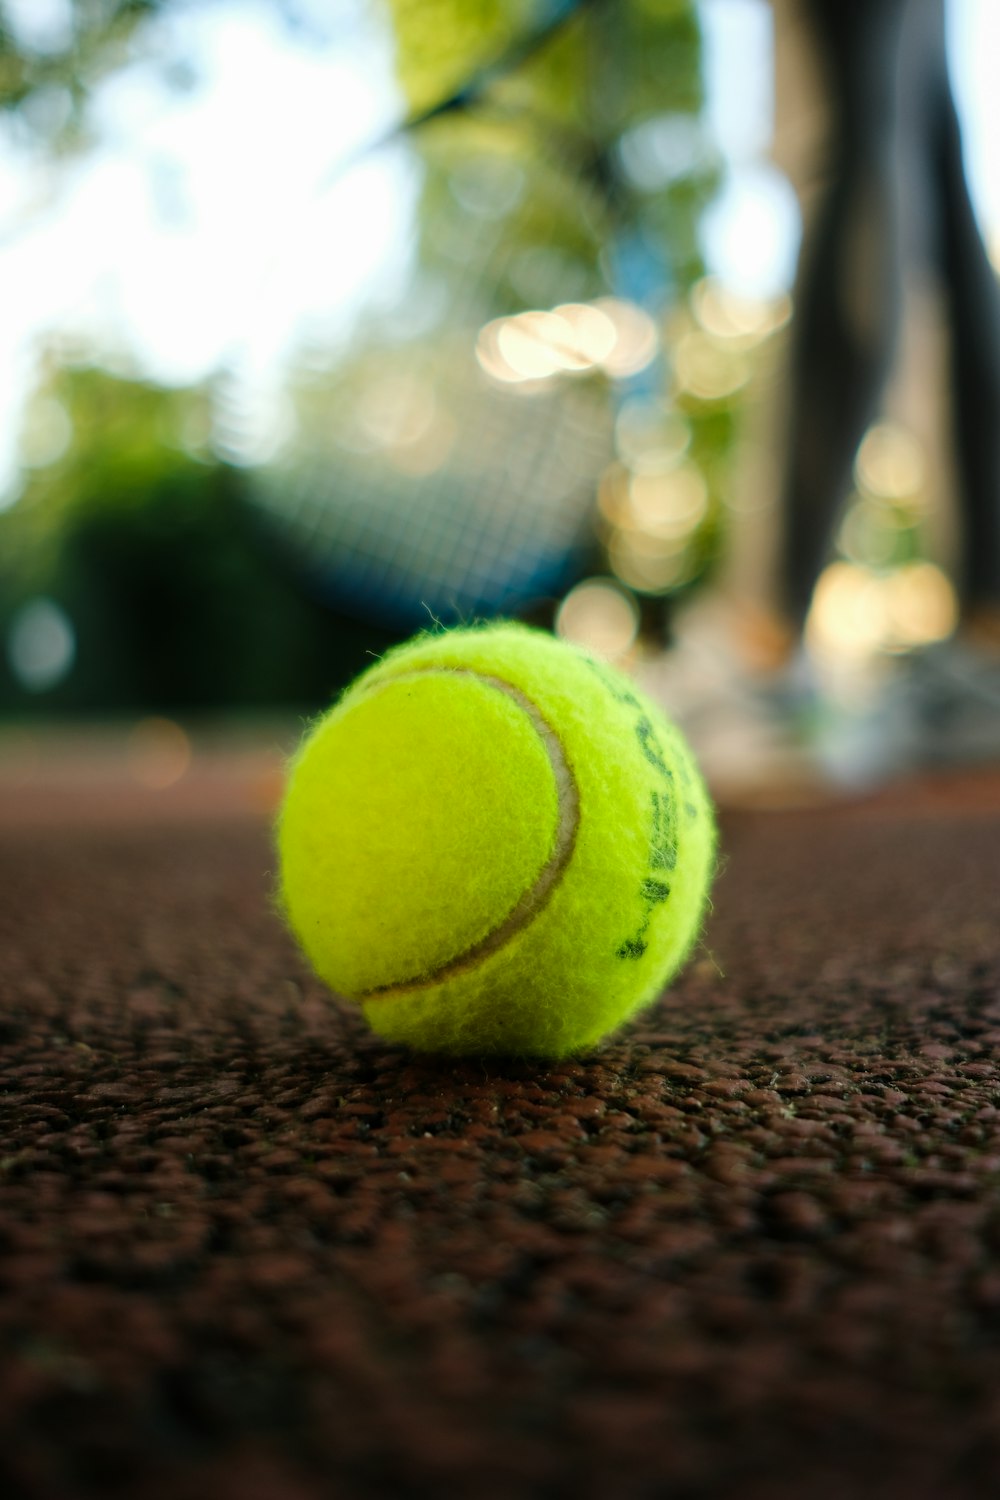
pixel 520 116
pixel 177 595
pixel 171 586
pixel 49 85
pixel 47 79
pixel 442 43
pixel 537 112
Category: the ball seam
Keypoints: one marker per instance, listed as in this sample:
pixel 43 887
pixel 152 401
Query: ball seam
pixel 532 901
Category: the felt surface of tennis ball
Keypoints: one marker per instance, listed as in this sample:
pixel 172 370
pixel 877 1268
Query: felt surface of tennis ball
pixel 494 843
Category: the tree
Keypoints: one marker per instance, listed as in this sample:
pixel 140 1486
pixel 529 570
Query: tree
pixel 173 587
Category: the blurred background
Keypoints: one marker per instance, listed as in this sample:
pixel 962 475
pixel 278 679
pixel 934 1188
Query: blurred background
pixel 323 321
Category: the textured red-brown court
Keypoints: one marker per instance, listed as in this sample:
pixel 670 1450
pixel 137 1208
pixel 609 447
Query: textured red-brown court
pixel 751 1248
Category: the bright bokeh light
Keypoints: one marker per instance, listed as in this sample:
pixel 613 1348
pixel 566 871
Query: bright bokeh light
pixel 613 498
pixel 973 48
pixel 869 533
pixel 46 434
pixel 890 463
pixel 594 331
pixel 41 26
pixel 735 319
pixel 538 344
pixel 659 150
pixel 610 335
pixel 250 422
pixel 648 434
pixel 41 645
pixel 847 617
pixel 636 339
pixel 752 230
pixel 429 451
pixel 738 45
pixel 395 411
pixel 921 606
pixel 648 564
pixel 159 753
pixel 653 500
pixel 670 504
pixel 600 616
pixel 706 369
pixel 857 612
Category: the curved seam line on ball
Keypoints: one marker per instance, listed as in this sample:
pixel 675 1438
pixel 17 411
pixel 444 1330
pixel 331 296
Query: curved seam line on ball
pixel 533 901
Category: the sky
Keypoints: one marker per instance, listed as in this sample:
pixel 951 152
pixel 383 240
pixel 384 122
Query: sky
pixel 156 245
pixel 753 229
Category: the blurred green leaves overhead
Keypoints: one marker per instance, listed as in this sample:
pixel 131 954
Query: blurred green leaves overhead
pixel 578 88
pixel 488 412
pixel 51 57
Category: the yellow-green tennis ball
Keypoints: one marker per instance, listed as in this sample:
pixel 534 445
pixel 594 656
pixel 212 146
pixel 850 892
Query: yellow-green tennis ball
pixel 495 843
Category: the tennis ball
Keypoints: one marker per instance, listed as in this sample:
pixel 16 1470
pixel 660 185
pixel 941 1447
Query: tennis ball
pixel 495 843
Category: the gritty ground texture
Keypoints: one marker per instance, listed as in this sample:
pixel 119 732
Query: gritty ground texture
pixel 752 1248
